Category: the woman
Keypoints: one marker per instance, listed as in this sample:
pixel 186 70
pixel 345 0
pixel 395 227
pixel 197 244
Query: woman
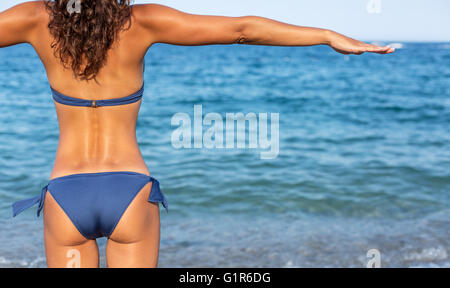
pixel 93 50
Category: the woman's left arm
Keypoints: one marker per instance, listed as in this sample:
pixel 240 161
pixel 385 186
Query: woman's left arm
pixel 163 24
pixel 18 24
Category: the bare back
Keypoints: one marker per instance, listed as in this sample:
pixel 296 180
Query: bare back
pixel 101 139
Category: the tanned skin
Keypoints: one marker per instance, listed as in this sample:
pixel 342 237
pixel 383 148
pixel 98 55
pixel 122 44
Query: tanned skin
pixel 99 140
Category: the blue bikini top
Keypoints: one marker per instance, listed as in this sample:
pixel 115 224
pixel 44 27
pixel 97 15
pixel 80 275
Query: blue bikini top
pixel 66 100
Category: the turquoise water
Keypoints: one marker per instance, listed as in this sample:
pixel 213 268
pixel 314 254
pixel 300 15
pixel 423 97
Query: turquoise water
pixel 364 156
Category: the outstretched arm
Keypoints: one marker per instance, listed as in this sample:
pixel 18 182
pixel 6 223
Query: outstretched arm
pixel 17 24
pixel 167 25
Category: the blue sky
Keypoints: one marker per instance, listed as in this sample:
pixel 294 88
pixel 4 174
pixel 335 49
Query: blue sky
pixel 389 20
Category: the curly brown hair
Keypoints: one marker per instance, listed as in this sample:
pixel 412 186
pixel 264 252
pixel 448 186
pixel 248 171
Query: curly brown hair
pixel 82 40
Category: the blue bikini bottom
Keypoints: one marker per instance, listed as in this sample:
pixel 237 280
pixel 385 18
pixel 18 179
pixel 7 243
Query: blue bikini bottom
pixel 95 202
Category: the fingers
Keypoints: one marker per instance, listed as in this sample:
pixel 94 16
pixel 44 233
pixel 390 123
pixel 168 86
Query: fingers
pixel 379 49
pixel 392 50
pixel 361 48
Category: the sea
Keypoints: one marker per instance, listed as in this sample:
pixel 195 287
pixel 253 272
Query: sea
pixel 361 162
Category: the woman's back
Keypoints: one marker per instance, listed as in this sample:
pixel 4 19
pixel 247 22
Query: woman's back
pixel 97 139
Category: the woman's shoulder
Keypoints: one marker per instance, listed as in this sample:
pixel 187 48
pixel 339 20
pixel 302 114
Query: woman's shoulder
pixel 34 12
pixel 33 9
pixel 152 14
pixel 22 22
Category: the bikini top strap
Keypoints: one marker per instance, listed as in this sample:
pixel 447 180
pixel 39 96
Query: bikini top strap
pixel 71 101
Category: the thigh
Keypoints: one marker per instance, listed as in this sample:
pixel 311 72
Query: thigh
pixel 135 240
pixel 64 244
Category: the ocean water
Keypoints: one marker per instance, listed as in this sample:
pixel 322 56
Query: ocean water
pixel 363 163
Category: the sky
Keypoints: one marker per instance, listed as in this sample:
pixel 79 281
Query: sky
pixel 369 20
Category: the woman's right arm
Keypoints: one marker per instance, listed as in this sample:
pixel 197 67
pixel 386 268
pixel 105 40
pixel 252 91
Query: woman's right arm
pixel 166 25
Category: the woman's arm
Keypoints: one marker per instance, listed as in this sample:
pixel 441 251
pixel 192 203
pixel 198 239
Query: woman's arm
pixel 167 25
pixel 17 24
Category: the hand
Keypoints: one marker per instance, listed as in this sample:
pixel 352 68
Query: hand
pixel 347 45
